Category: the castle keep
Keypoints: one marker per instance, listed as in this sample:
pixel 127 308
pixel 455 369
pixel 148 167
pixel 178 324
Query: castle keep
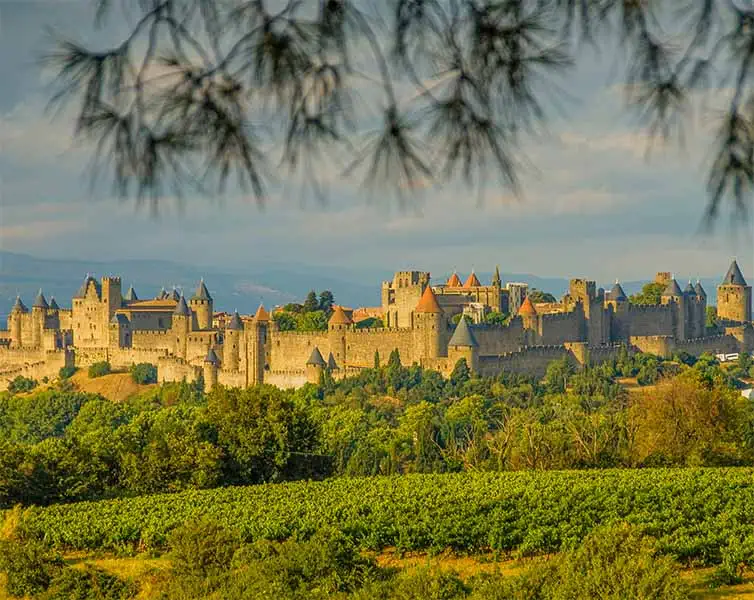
pixel 186 339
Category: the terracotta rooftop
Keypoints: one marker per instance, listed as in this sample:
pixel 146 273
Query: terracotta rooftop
pixel 472 281
pixel 339 317
pixel 428 302
pixel 262 315
pixel 454 281
pixel 527 309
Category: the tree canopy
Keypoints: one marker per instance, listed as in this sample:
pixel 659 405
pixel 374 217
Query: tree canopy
pixel 199 90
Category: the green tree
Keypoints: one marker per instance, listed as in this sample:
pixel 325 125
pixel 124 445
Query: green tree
pixel 496 318
pixel 711 317
pixel 651 293
pixel 99 369
pixel 536 295
pixel 285 320
pixel 315 320
pixel 22 384
pixel 326 301
pixel 311 303
pixel 461 372
pixel 557 375
pixel 143 373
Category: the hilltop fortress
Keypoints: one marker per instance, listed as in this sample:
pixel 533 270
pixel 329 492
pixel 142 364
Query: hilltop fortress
pixel 187 340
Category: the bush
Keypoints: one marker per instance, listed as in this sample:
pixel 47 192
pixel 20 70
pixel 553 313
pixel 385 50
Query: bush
pixel 22 384
pixel 614 562
pixel 143 373
pixel 89 583
pixel 99 369
pixel 202 549
pixel 29 567
pixel 66 372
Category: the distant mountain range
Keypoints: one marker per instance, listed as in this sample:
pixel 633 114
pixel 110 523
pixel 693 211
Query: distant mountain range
pixel 232 289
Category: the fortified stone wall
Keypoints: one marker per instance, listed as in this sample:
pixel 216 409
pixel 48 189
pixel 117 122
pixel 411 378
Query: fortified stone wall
pixel 714 344
pixel 650 320
pixel 531 361
pixel 659 345
pixel 48 365
pixel 291 349
pixel 286 378
pixel 496 339
pixel 361 344
pixel 153 340
pixel 176 369
pixel 231 378
pixel 559 328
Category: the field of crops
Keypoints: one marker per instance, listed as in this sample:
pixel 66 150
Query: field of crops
pixel 694 513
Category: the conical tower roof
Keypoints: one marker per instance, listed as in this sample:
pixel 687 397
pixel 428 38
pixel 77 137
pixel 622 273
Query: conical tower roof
pixel 454 281
pixel 734 275
pixel 331 364
pixel 672 289
pixel 82 290
pixel 182 308
pixel 496 277
pixel 699 289
pixel 202 293
pixel 53 304
pixel 689 289
pixel 339 317
pixel 19 305
pixel 235 322
pixel 463 335
pixel 261 315
pixel 617 293
pixel 527 308
pixel 211 356
pixel 131 295
pixel 472 281
pixel 428 302
pixel 316 358
pixel 40 301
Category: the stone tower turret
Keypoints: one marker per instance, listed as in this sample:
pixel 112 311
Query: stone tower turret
pixel 619 324
pixel 209 370
pixel 256 337
pixel 38 317
pixel 734 297
pixel 15 323
pixel 463 344
pixel 337 327
pixel 701 296
pixel 181 326
pixel 201 305
pixel 111 295
pixel 232 345
pixel 673 297
pixel 429 325
pixel 530 321
pixel 315 366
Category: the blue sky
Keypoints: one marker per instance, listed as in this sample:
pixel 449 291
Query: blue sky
pixel 594 206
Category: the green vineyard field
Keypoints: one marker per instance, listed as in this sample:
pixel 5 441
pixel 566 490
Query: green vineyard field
pixel 695 514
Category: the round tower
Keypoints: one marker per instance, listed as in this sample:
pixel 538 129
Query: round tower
pixel 337 327
pixel 530 321
pixel 463 344
pixel 734 297
pixel 181 326
pixel 255 346
pixel 315 366
pixel 232 344
pixel 201 305
pixel 428 327
pixel 673 297
pixel 618 301
pixel 15 322
pixel 38 314
pixel 209 370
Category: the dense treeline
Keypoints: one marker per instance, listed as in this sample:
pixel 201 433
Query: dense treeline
pixel 58 445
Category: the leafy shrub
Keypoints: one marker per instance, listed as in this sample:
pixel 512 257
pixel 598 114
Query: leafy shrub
pixel 143 373
pixel 89 583
pixel 29 567
pixel 613 563
pixel 202 549
pixel 22 384
pixel 99 369
pixel 66 372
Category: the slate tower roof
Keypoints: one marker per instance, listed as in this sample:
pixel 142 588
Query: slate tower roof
pixel 463 335
pixel 734 275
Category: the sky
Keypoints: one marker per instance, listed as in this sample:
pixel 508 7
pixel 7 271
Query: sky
pixel 593 205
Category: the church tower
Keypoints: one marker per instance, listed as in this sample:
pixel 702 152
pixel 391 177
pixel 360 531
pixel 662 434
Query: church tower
pixel 734 297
